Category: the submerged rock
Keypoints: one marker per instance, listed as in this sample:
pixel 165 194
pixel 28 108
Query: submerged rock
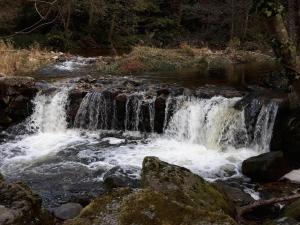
pixel 170 195
pixel 67 211
pixel 266 167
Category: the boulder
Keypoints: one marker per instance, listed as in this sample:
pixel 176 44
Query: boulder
pixel 180 184
pixel 236 195
pixel 67 211
pixel 291 138
pixel 266 167
pixel 20 206
pixel 16 94
pixel 120 177
pixel 170 195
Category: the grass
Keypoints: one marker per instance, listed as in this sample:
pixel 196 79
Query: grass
pixel 22 61
pixel 149 59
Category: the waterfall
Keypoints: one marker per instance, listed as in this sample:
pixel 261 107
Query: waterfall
pixel 94 112
pixel 264 126
pixel 210 122
pixel 214 122
pixel 49 113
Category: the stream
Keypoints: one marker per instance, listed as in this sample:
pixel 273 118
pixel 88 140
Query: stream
pixel 63 162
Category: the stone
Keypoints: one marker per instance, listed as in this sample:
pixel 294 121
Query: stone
pixel 68 211
pixel 20 206
pixel 169 195
pixel 16 94
pixel 236 195
pixel 291 138
pixel 120 177
pixel 269 166
pixel 144 207
pixel 282 221
pixel 292 210
pixel 182 185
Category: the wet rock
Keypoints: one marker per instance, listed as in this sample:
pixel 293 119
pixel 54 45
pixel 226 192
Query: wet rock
pixel 144 207
pixel 170 195
pixel 210 91
pixel 236 195
pixel 68 211
pixel 182 185
pixel 16 94
pixel 266 167
pixel 121 177
pixel 291 138
pixel 292 210
pixel 282 221
pixel 20 206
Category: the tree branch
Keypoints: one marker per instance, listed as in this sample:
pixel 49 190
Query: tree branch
pixel 248 208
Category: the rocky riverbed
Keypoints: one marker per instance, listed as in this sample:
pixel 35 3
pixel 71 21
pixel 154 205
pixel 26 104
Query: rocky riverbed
pixel 98 164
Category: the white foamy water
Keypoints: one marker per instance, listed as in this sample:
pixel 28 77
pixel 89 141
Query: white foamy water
pixel 73 64
pixel 207 136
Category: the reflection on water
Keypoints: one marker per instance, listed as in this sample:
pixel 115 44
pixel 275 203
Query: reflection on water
pixel 237 75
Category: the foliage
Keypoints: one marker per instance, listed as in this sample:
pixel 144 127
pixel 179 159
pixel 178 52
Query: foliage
pixel 268 8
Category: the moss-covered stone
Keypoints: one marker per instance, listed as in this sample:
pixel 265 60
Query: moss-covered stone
pixel 171 195
pixel 145 207
pixel 20 206
pixel 182 185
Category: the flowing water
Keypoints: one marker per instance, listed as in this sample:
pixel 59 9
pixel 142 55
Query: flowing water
pixel 208 136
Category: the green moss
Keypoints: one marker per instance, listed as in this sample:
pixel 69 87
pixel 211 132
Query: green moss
pixel 145 207
pixel 152 208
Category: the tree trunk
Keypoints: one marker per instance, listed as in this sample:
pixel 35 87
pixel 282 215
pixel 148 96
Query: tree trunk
pixel 284 47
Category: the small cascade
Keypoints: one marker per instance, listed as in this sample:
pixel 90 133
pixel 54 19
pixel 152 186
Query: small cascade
pixel 210 122
pixel 264 126
pixel 133 111
pixel 95 112
pixel 214 122
pixel 49 113
pixel 99 110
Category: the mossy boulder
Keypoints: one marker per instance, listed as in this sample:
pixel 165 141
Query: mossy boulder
pixel 171 195
pixel 145 207
pixel 181 185
pixel 20 206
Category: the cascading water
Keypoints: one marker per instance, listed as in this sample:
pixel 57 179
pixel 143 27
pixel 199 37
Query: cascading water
pixel 49 113
pixel 213 123
pixel 208 136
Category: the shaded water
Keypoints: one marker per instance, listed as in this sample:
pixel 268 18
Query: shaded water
pixel 237 75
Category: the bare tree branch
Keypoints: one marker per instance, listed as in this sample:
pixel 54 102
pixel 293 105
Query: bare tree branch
pixel 248 208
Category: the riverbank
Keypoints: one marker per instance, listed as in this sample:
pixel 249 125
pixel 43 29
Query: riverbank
pixel 140 60
pixel 196 129
pixel 149 59
pixel 23 62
